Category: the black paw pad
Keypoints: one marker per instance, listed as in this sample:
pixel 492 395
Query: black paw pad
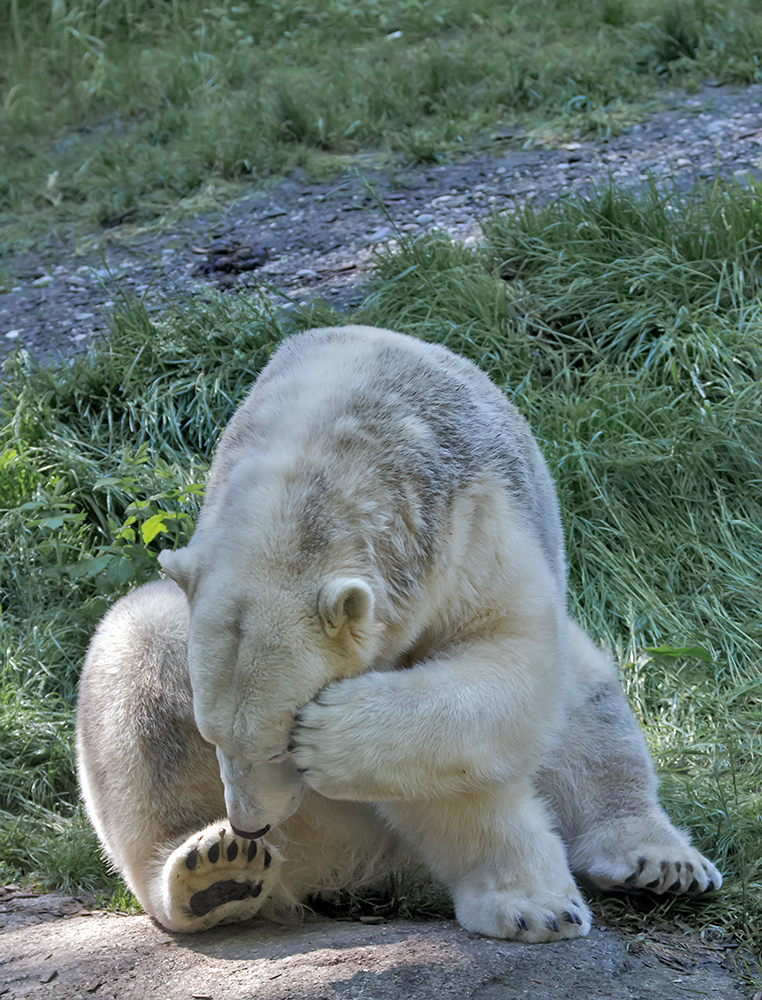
pixel 192 859
pixel 213 854
pixel 521 924
pixel 652 885
pixel 252 851
pixel 552 924
pixel 693 887
pixel 710 885
pixel 205 900
pixel 232 851
pixel 268 859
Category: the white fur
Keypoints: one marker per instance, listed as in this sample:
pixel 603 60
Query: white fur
pixel 376 628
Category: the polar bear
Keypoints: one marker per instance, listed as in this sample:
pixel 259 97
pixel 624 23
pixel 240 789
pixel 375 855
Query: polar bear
pixel 363 664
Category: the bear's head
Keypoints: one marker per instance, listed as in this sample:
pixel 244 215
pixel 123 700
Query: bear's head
pixel 261 644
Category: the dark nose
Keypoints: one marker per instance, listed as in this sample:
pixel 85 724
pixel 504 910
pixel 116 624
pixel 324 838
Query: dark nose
pixel 250 836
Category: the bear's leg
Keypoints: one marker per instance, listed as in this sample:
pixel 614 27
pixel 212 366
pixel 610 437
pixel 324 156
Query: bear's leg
pixel 151 783
pixel 602 786
pixel 505 867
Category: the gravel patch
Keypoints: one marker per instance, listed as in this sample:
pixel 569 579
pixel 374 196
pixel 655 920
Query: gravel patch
pixel 299 240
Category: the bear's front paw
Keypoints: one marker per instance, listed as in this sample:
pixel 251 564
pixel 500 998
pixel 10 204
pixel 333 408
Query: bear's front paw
pixel 332 742
pixel 533 916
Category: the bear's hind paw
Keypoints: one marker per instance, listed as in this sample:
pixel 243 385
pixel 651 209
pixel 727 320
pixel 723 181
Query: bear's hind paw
pixel 657 869
pixel 215 877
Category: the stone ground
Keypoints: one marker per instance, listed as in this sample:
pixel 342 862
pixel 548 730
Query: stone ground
pixel 298 240
pixel 57 947
pixel 301 239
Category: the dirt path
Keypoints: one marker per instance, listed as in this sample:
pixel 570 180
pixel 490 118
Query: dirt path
pixel 303 239
pixel 91 954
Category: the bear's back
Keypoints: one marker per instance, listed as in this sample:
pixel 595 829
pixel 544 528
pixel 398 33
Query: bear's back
pixel 375 409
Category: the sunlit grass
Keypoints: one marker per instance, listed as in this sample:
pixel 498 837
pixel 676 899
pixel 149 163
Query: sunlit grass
pixel 114 112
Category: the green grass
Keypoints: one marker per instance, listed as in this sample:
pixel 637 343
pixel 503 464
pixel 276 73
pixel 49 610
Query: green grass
pixel 628 329
pixel 122 111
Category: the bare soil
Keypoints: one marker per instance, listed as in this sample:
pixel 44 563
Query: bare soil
pixel 54 946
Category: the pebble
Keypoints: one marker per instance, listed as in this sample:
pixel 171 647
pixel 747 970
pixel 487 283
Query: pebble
pixel 384 233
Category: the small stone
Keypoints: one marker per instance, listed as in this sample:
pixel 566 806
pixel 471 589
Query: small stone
pixel 384 233
pixel 426 218
pixel 41 282
pixel 49 977
pixel 682 162
pixel 13 334
pixel 306 272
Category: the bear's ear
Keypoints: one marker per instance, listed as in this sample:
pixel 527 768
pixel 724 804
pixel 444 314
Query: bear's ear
pixel 346 602
pixel 179 565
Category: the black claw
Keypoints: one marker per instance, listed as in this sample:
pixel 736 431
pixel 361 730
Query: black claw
pixel 552 924
pixel 576 902
pixel 252 851
pixel 521 924
pixel 693 886
pixel 302 770
pixel 214 853
pixel 250 836
pixel 710 886
pixel 191 860
pixel 642 862
pixel 652 885
pixel 232 851
pixel 268 859
pixel 675 887
pixel 571 918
